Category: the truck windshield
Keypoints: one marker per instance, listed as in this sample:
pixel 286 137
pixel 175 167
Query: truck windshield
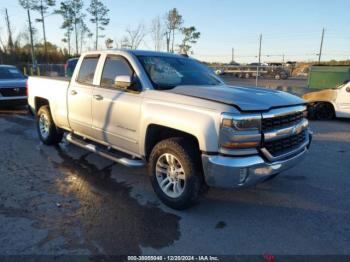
pixel 10 73
pixel 169 72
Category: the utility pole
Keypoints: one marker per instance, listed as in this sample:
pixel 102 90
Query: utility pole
pixel 257 68
pixel 31 38
pixel 9 31
pixel 321 46
pixel 44 31
pixel 233 54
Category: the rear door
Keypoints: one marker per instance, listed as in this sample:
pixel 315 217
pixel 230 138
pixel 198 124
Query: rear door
pixel 115 111
pixel 80 95
pixel 343 101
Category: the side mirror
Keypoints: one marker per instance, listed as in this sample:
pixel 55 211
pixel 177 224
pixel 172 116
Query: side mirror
pixel 348 89
pixel 123 81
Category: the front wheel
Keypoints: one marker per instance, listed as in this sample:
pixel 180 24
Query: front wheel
pixel 324 111
pixel 175 173
pixel 49 134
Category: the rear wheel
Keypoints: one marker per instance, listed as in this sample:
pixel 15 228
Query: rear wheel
pixel 324 111
pixel 49 134
pixel 277 76
pixel 175 173
pixel 247 75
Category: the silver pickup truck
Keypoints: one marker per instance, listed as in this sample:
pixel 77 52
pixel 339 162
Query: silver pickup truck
pixel 172 112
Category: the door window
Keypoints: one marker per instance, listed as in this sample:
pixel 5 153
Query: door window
pixel 87 70
pixel 114 66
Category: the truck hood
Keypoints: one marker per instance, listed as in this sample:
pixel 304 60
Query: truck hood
pixel 13 83
pixel 244 98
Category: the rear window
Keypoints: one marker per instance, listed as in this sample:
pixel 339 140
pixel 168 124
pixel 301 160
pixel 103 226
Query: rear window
pixel 10 73
pixel 87 70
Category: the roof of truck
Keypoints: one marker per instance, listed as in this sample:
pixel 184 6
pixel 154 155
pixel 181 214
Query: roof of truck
pixel 135 52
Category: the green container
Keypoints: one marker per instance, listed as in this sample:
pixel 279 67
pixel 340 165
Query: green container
pixel 323 77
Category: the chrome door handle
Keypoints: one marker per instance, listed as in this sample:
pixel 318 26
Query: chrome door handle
pixel 73 92
pixel 98 97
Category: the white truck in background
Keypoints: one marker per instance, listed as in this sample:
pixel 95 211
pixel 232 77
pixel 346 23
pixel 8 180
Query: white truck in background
pixel 329 103
pixel 138 107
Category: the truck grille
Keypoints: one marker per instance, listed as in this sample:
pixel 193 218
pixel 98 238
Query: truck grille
pixel 15 91
pixel 279 147
pixel 281 121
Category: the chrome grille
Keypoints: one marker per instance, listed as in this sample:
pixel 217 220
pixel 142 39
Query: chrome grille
pixel 13 91
pixel 281 146
pixel 281 121
pixel 285 131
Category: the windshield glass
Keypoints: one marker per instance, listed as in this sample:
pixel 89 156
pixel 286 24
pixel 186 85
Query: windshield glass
pixel 169 72
pixel 10 73
pixel 342 84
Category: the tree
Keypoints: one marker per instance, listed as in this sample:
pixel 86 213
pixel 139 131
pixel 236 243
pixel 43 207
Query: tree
pixel 98 12
pixel 109 43
pixel 134 36
pixel 173 21
pixel 42 7
pixel 84 31
pixel 76 7
pixel 28 5
pixel 9 32
pixel 157 32
pixel 67 14
pixel 190 36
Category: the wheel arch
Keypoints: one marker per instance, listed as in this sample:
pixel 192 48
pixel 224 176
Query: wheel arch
pixel 39 102
pixel 156 133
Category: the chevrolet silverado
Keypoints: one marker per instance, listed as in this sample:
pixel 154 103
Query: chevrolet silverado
pixel 172 113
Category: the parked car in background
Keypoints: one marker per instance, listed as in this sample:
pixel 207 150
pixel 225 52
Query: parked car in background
pixel 258 64
pixel 12 86
pixel 70 66
pixel 249 71
pixel 329 103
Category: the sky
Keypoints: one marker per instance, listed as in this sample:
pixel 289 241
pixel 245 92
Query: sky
pixel 289 28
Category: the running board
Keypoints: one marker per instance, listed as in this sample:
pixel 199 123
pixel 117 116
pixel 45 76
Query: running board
pixel 104 153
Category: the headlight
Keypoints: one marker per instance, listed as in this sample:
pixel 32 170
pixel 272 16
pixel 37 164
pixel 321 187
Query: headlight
pixel 240 132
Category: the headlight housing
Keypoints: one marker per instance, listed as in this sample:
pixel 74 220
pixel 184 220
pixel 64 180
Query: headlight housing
pixel 240 133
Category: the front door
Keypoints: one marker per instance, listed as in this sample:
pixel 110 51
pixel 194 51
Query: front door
pixel 79 97
pixel 343 101
pixel 116 112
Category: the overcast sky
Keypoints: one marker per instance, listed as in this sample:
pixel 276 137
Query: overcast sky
pixel 292 28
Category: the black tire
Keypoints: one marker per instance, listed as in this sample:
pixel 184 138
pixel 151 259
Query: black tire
pixel 54 135
pixel 189 156
pixel 324 111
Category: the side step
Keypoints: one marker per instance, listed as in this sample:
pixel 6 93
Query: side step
pixel 105 153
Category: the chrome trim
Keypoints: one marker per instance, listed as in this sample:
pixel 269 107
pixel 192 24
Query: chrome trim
pixel 283 111
pixel 272 158
pixel 233 172
pixel 238 152
pixel 287 131
pixel 4 98
pixel 104 153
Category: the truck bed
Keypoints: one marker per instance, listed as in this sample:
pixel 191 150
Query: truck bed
pixel 54 90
